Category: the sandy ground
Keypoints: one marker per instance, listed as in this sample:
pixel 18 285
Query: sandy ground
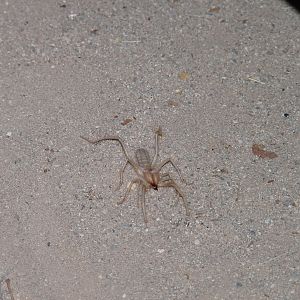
pixel 222 80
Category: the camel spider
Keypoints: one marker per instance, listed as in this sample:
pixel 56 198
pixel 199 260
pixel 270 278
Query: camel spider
pixel 147 171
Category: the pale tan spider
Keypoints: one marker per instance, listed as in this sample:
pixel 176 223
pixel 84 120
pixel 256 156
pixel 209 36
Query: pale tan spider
pixel 147 171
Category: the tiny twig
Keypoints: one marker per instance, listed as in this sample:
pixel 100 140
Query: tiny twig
pixel 255 80
pixel 137 41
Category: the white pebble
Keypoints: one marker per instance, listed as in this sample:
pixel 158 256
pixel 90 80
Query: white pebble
pixel 72 16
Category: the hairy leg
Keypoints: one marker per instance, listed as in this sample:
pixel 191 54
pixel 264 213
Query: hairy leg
pixel 113 138
pixel 143 203
pixel 129 188
pixel 173 184
pixel 121 175
pixel 169 161
pixel 158 133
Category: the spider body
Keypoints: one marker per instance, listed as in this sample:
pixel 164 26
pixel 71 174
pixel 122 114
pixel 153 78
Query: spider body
pixel 143 158
pixel 147 171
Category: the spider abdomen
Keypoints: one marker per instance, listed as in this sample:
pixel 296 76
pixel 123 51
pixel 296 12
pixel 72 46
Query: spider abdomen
pixel 143 158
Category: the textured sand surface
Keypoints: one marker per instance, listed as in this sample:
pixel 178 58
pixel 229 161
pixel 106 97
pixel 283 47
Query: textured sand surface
pixel 221 78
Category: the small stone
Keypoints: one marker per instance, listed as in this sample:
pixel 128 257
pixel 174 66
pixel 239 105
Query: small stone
pixel 183 75
pixel 268 221
pixel 214 9
pixel 9 134
pixel 161 251
pixel 72 16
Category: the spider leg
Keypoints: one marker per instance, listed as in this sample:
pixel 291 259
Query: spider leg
pixel 169 161
pixel 121 175
pixel 113 138
pixel 158 133
pixel 169 182
pixel 143 204
pixel 129 188
pixel 165 177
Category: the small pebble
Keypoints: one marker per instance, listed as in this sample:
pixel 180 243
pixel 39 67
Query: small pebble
pixel 161 250
pixel 8 134
pixel 268 221
pixel 72 16
pixel 197 242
